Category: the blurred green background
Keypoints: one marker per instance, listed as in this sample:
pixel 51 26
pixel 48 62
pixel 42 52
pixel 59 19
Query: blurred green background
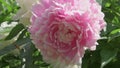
pixel 17 50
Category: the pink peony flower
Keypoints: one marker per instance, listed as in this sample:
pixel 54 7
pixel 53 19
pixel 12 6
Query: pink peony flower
pixel 64 29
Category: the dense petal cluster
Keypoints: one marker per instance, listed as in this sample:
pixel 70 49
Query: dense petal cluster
pixel 64 29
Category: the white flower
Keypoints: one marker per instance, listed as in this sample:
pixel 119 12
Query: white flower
pixel 24 13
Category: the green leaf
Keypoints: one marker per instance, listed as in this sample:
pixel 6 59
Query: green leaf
pixel 86 59
pixel 115 33
pixel 22 34
pixel 28 56
pixel 15 31
pixel 107 4
pixel 7 10
pixel 14 45
pixel 32 56
pixel 107 54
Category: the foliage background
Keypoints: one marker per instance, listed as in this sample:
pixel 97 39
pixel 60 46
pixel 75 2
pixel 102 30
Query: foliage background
pixel 17 50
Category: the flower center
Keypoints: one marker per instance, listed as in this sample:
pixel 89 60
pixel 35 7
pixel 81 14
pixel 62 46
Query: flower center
pixel 65 35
